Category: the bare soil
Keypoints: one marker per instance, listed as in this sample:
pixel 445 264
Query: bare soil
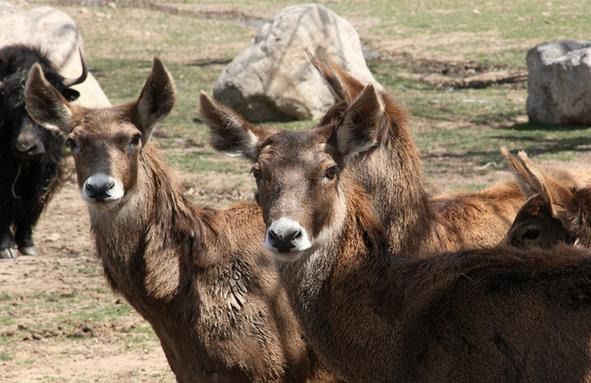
pixel 36 345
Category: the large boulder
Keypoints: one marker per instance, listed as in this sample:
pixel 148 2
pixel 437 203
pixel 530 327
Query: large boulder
pixel 559 82
pixel 57 33
pixel 272 80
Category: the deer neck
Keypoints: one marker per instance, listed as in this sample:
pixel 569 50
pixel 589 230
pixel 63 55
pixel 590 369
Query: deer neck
pixel 393 176
pixel 148 233
pixel 331 287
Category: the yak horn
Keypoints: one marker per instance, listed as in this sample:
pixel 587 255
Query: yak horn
pixel 68 82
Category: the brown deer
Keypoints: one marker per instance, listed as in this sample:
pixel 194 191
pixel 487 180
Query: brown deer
pixel 389 167
pixel 557 210
pixel 199 276
pixel 489 315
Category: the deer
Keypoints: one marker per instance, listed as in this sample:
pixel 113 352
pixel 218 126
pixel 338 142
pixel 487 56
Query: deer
pixel 494 314
pixel 199 276
pixel 391 168
pixel 557 209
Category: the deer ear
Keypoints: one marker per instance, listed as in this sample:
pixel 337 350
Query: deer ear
pixel 156 100
pixel 230 132
pixel 521 175
pixel 578 216
pixel 344 86
pixel 529 178
pixel 362 123
pixel 352 86
pixel 328 74
pixel 45 105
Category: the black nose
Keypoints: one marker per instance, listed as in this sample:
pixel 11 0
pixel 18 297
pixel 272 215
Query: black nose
pixel 284 241
pixel 98 189
pixel 26 147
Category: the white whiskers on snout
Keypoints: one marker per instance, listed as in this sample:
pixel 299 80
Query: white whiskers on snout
pixel 102 188
pixel 287 236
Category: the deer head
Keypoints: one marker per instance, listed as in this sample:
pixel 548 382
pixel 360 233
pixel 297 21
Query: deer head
pixel 299 174
pixel 544 220
pixel 106 143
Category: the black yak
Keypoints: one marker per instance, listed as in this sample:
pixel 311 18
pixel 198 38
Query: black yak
pixel 31 157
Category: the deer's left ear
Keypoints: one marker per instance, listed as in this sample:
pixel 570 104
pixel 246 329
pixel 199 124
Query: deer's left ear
pixel 156 100
pixel 362 123
pixel 230 132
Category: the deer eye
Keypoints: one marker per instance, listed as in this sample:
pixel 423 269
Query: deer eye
pixel 256 172
pixel 531 234
pixel 134 142
pixel 332 172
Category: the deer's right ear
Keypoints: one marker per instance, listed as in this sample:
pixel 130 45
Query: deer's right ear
pixel 344 86
pixel 45 105
pixel 529 178
pixel 230 133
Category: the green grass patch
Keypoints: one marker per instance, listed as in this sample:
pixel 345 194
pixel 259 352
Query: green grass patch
pixel 5 357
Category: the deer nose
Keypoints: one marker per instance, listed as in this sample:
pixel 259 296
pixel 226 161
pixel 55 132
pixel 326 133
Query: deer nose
pixel 99 188
pixel 284 241
pixel 285 235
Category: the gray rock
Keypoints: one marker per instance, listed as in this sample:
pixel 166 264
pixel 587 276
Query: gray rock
pixel 58 34
pixel 559 82
pixel 272 80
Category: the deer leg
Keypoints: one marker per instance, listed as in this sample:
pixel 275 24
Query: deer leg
pixel 7 244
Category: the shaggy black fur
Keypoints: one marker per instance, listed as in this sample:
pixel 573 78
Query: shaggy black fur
pixel 27 182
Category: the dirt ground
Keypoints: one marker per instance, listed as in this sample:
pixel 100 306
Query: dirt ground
pixel 41 346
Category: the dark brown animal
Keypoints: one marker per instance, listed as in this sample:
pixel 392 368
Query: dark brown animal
pixel 198 276
pixel 557 209
pixel 389 166
pixel 31 158
pixel 499 315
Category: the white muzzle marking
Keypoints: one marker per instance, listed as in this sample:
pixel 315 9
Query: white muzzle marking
pixel 99 182
pixel 284 228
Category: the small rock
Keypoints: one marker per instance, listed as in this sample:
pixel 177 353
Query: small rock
pixel 112 5
pixel 57 33
pixel 559 79
pixel 53 237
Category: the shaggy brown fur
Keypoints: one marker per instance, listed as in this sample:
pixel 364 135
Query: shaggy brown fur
pixel 499 315
pixel 557 211
pixel 389 166
pixel 199 276
pixel 391 170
